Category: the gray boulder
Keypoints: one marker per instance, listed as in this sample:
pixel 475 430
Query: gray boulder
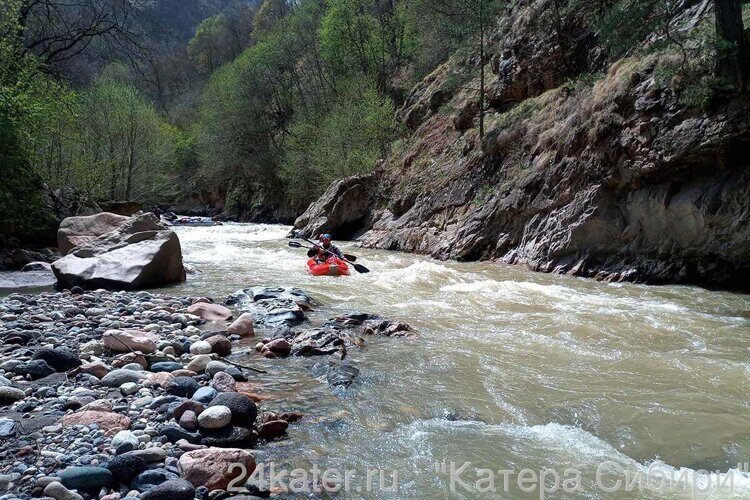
pixel 140 253
pixel 76 231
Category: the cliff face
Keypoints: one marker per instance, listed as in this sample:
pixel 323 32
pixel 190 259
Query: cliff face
pixel 609 177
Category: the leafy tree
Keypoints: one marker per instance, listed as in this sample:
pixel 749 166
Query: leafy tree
pixel 216 42
pixel 343 136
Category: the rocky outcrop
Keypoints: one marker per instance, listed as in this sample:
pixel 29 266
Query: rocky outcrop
pixel 342 210
pixel 140 253
pixel 76 231
pixel 615 178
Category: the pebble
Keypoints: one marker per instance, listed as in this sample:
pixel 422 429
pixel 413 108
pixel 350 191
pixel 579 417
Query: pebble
pixel 200 347
pixel 215 417
pixel 59 492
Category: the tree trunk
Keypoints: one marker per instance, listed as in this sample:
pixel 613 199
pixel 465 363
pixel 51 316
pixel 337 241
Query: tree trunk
pixel 481 71
pixel 733 56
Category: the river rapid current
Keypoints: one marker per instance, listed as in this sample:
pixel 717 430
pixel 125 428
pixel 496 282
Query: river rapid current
pixel 609 386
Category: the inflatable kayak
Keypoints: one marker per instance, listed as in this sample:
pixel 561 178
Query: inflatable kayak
pixel 331 267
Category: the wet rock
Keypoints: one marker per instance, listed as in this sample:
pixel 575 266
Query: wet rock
pixel 277 348
pixel 174 489
pixel 210 312
pixel 215 417
pixel 122 341
pixel 244 411
pixel 105 420
pixel 9 395
pixel 86 478
pixel 317 342
pixel 272 429
pixel 341 375
pixel 125 468
pixel 211 467
pixel 116 378
pixel 183 386
pixel 60 358
pixel 57 491
pixel 242 326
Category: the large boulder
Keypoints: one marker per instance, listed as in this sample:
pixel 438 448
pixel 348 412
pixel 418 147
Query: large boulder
pixel 76 231
pixel 140 253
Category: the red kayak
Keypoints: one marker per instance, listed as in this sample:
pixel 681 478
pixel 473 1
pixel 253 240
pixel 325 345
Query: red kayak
pixel 331 267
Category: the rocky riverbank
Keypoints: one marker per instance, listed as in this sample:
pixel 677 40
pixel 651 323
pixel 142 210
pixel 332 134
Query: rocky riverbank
pixel 114 395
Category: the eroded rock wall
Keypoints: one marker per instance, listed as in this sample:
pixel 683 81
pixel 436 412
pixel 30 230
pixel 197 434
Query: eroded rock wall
pixel 609 177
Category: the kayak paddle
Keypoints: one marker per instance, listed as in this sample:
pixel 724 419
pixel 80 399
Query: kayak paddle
pixel 358 267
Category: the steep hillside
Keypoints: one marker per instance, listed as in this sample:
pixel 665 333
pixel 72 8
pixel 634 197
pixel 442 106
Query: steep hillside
pixel 623 170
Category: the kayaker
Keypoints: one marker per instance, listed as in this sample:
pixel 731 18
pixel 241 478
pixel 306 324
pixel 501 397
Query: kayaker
pixel 321 252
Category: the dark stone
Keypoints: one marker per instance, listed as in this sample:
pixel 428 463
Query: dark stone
pixel 244 411
pixel 341 376
pixel 152 477
pixel 183 386
pixel 174 433
pixel 174 489
pixel 86 478
pixel 232 436
pixel 220 345
pixel 60 358
pixel 36 369
pixel 125 468
pixel 124 448
pixel 184 406
pixel 165 366
pixel 273 429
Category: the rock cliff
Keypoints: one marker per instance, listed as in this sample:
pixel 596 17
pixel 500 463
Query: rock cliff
pixel 612 176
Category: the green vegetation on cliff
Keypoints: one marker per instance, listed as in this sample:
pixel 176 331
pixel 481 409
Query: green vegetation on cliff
pixel 264 103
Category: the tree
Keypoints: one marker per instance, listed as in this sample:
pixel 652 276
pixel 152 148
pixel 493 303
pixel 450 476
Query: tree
pixel 213 44
pixel 733 53
pixel 59 30
pixel 472 18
